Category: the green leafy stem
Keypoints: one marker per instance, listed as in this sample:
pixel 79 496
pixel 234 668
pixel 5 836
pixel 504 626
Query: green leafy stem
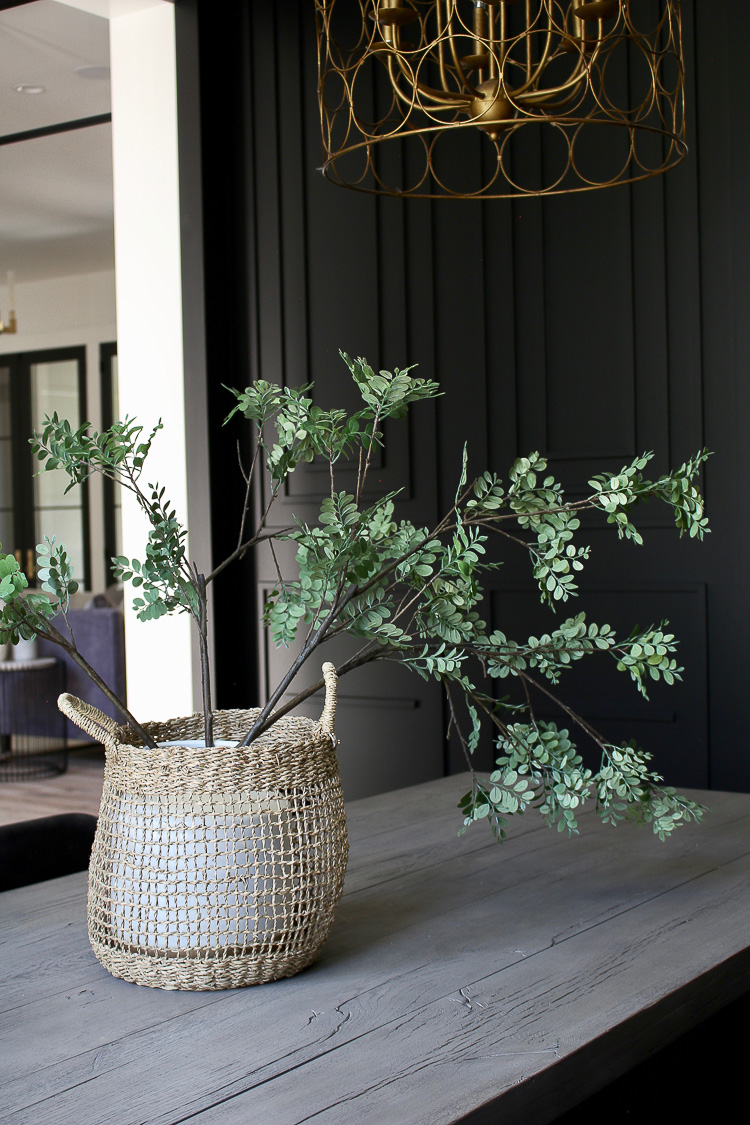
pixel 404 593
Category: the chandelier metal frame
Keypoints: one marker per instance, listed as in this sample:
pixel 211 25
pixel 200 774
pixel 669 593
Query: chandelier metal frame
pixel 416 72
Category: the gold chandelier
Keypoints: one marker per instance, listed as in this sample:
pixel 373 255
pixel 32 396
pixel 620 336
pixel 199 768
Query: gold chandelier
pixel 434 98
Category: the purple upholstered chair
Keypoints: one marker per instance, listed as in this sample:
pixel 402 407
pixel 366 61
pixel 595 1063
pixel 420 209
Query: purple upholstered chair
pixel 100 636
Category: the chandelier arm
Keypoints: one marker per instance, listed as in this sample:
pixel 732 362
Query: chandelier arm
pixel 578 74
pixel 460 70
pixel 582 68
pixel 449 98
pixel 541 66
pixel 536 96
pixel 443 100
pixel 527 37
pixel 441 48
pixel 542 97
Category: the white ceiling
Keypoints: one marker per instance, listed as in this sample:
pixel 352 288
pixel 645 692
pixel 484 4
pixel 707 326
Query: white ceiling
pixel 56 212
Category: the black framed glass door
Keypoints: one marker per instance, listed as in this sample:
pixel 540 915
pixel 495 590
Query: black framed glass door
pixel 110 396
pixel 32 385
pixel 7 527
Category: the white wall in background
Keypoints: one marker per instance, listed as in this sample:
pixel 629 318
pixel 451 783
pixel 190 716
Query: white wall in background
pixel 55 312
pixel 67 312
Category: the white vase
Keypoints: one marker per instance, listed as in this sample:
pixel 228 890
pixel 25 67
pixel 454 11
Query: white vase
pixel 204 870
pixel 24 650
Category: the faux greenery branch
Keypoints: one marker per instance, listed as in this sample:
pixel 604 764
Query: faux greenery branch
pixel 405 593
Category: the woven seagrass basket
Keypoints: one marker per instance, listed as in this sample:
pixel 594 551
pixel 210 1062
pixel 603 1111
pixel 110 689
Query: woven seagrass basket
pixel 220 867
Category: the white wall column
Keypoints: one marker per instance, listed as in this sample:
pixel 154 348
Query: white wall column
pixel 149 323
pixel 163 673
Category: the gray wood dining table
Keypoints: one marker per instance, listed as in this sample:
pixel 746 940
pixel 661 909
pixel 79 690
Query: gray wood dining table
pixel 462 981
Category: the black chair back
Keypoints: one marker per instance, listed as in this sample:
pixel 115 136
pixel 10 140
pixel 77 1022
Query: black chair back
pixel 44 848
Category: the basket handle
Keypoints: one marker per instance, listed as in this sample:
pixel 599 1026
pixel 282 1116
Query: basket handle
pixel 328 718
pixel 89 718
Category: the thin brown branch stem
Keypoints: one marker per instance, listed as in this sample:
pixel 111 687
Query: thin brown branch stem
pixel 202 618
pixel 240 552
pixel 363 477
pixel 265 718
pixel 248 479
pixel 572 715
pixel 46 629
pixel 455 723
pixel 357 661
pixel 358 490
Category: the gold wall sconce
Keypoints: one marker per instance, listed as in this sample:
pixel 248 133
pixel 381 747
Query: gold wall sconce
pixel 12 325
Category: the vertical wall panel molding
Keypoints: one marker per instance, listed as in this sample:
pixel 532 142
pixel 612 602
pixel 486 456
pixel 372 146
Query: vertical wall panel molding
pixel 589 327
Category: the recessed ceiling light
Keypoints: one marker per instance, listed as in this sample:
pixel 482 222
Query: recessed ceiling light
pixel 30 89
pixel 98 73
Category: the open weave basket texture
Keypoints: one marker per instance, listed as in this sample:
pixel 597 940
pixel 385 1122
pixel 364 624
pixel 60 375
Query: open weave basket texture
pixel 220 867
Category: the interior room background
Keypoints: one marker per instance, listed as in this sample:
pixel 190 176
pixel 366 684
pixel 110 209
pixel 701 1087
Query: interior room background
pixel 590 327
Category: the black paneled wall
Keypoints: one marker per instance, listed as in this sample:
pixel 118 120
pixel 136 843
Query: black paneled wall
pixel 589 327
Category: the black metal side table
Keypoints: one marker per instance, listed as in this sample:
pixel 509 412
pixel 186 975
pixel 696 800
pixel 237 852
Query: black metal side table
pixel 32 730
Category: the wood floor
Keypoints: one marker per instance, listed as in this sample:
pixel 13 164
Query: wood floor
pixel 77 790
